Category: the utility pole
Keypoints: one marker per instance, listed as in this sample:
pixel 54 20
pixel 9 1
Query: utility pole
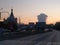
pixel 19 20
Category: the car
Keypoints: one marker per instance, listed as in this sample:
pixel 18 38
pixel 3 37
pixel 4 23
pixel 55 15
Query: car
pixel 48 30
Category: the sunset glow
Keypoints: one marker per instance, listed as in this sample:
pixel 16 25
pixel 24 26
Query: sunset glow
pixel 28 10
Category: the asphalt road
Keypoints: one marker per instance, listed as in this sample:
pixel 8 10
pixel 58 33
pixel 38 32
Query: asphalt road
pixel 49 38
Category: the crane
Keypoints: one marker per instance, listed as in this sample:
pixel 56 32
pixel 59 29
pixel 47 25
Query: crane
pixel 3 12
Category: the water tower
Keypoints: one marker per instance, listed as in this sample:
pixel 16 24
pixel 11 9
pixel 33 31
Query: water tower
pixel 41 21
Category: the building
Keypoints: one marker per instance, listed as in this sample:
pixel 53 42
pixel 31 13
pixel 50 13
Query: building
pixel 11 18
pixel 11 21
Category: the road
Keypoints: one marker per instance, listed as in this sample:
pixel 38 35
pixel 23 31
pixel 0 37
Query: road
pixel 49 38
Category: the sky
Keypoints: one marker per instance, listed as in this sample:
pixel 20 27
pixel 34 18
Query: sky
pixel 28 10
